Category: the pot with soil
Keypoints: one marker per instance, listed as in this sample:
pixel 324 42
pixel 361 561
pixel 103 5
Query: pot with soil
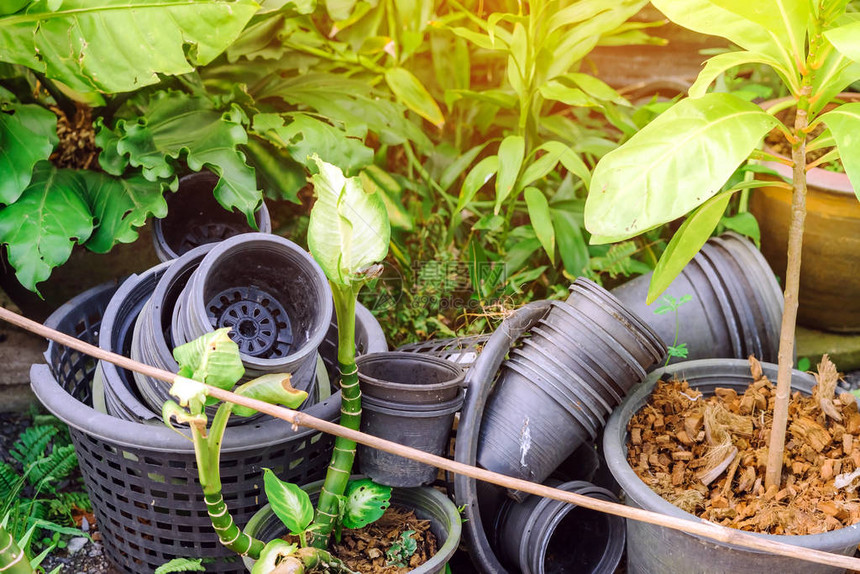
pixel 194 218
pixel 829 284
pixel 701 443
pixel 410 399
pixel 428 505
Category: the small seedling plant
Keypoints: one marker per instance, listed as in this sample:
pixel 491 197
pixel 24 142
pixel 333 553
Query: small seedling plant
pixel 670 304
pixel 348 235
pixel 681 161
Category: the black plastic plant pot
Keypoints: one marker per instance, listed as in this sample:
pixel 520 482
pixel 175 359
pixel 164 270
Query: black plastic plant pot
pixel 273 296
pixel 423 426
pixel 541 535
pixel 194 218
pixel 427 503
pixel 656 549
pixel 409 378
pixel 141 479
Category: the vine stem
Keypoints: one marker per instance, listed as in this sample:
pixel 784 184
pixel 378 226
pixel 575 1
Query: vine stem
pixel 696 527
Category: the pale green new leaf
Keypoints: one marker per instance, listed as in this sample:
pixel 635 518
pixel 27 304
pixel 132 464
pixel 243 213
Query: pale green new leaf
pixel 365 502
pixel 272 555
pixel 475 180
pixel 376 180
pixel 110 46
pixel 595 88
pixel 273 388
pixel 28 134
pixel 674 164
pixel 212 358
pixel 289 502
pixel 349 229
pixel 722 62
pixel 511 152
pixel 686 242
pixel 412 93
pixel 844 39
pixel 541 219
pixel 45 222
pixel 120 205
pixel 844 125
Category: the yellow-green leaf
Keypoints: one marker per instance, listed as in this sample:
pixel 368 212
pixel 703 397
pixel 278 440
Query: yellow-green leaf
pixel 412 93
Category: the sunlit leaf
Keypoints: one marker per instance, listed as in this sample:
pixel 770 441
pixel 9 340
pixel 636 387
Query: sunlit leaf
pixel 541 220
pixel 510 154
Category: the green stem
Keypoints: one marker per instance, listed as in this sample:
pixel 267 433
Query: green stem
pixel 12 559
pixel 343 456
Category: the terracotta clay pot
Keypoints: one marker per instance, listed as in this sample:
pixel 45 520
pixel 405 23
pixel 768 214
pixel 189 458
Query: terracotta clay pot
pixel 829 282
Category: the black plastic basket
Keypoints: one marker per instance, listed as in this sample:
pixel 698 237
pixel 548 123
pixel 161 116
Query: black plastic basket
pixel 141 479
pixel 461 350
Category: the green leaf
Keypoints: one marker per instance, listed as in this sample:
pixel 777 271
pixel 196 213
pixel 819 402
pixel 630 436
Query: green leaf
pixel 205 137
pixel 571 243
pixel 376 180
pixel 844 123
pixel 273 388
pixel 511 152
pixel 686 242
pixel 366 502
pixel 303 135
pixel 744 223
pixel 844 39
pixel 120 205
pixel 475 180
pixel 41 227
pixel 28 134
pixel 673 164
pixel 541 220
pixel 349 228
pixel 560 92
pixel 281 177
pixel 100 45
pixel 289 502
pixel 458 166
pixel 720 63
pixel 596 88
pixel 414 95
pixel 212 358
pixel 271 555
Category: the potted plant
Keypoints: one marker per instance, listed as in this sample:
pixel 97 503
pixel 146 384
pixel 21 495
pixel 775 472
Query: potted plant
pixel 348 235
pixel 681 161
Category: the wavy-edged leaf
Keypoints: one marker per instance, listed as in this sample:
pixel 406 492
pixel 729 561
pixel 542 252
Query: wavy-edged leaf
pixel 672 165
pixel 303 135
pixel 212 358
pixel 349 229
pixel 476 178
pixel 45 222
pixel 289 502
pixel 273 388
pixel 844 124
pixel 412 93
pixel 106 46
pixel 365 502
pixel 280 176
pixel 28 134
pixel 539 214
pixel 511 152
pixel 722 62
pixel 175 124
pixel 686 242
pixel 120 205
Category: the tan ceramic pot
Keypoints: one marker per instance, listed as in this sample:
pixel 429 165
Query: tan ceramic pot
pixel 830 269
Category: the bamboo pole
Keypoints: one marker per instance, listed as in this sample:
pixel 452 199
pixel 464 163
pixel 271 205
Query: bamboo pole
pixel 695 527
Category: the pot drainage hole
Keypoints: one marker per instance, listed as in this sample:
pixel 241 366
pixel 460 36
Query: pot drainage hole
pixel 259 324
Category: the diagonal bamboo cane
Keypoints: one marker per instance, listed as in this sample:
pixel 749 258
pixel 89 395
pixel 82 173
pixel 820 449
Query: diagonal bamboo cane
pixel 694 527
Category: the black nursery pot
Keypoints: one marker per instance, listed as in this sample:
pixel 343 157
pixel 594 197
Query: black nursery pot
pixel 194 218
pixel 410 399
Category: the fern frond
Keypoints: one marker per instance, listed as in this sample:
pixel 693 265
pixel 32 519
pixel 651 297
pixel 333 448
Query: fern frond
pixel 65 502
pixel 45 473
pixel 617 261
pixel 10 484
pixel 181 565
pixel 32 443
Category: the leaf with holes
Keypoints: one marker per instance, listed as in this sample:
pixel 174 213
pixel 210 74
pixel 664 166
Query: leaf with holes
pixel 28 134
pixel 289 502
pixel 43 225
pixel 212 358
pixel 366 502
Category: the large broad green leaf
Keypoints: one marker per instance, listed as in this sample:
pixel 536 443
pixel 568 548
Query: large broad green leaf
pixel 43 225
pixel 414 95
pixel 303 135
pixel 365 502
pixel 274 388
pixel 686 242
pixel 120 205
pixel 110 46
pixel 707 17
pixel 672 165
pixel 175 124
pixel 844 124
pixel 348 230
pixel 212 358
pixel 28 134
pixel 511 152
pixel 289 502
